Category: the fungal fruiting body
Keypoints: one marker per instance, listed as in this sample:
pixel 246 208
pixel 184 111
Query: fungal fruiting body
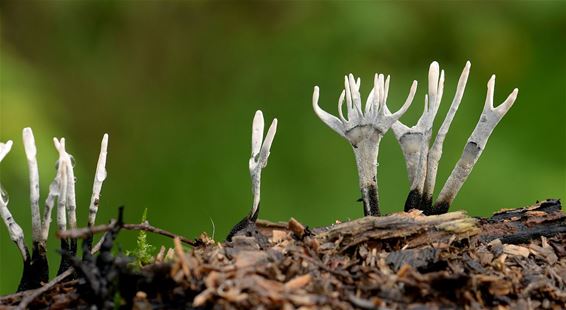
pixel 489 118
pixel 364 130
pixel 258 160
pixel 422 161
pixel 61 194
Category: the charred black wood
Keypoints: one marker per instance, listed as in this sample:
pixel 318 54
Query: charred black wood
pixel 521 225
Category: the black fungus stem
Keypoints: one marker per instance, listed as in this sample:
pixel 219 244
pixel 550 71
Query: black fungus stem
pixel 370 200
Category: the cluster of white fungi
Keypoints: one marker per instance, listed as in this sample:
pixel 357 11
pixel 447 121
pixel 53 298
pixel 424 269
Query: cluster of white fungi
pixel 363 127
pixel 62 194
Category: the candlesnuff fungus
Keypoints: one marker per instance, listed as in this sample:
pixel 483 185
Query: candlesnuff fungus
pixel 38 261
pixel 421 161
pixel 62 193
pixel 258 161
pixel 364 130
pixel 66 203
pixel 15 231
pixel 489 118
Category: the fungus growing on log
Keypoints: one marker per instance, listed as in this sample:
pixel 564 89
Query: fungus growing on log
pixel 364 130
pixel 490 117
pixel 62 194
pixel 258 161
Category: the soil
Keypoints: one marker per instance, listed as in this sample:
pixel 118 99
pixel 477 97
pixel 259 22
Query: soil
pixel 515 259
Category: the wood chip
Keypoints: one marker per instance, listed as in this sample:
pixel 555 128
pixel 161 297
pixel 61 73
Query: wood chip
pixel 181 256
pixel 297 228
pixel 298 282
pixel 278 236
pixel 516 250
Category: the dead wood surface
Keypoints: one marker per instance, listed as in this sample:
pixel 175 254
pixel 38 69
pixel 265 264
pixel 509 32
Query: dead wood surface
pixel 515 259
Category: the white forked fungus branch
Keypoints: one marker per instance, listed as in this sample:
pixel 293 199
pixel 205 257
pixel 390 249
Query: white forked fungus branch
pixel 15 231
pixel 260 154
pixel 414 141
pixel 489 118
pixel 435 151
pixel 422 161
pixel 364 130
pixel 258 160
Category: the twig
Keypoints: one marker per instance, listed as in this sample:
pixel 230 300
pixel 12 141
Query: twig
pixel 145 226
pixel 37 292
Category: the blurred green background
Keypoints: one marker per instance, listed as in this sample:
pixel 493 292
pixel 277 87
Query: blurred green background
pixel 176 84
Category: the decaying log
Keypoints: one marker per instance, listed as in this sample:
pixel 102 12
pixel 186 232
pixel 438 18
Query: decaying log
pixel 514 259
pixel 512 226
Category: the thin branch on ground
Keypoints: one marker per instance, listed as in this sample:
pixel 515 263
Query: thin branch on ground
pixel 145 226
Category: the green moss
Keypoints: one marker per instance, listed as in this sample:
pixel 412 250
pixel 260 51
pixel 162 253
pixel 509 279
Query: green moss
pixel 143 253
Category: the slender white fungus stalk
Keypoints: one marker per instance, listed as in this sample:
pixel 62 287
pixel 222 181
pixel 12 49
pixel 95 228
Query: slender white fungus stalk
pixel 71 200
pixel 364 130
pixel 63 184
pixel 15 231
pixel 435 151
pixel 99 178
pixel 258 159
pixel 31 151
pixel 489 118
pixel 53 196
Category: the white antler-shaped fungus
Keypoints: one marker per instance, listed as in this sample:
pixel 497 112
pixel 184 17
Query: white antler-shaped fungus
pixel 489 118
pixel 364 130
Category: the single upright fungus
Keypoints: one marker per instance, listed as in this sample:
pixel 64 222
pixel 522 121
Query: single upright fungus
pixel 15 231
pixel 258 161
pixel 66 210
pixel 489 118
pixel 364 129
pixel 62 194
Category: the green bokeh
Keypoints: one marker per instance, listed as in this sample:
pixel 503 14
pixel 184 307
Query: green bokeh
pixel 176 84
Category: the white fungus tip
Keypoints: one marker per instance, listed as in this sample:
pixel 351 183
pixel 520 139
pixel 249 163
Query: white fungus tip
pixel 29 143
pixel 257 132
pixel 5 148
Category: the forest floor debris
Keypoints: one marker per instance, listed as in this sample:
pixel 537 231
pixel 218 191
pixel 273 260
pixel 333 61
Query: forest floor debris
pixel 514 260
